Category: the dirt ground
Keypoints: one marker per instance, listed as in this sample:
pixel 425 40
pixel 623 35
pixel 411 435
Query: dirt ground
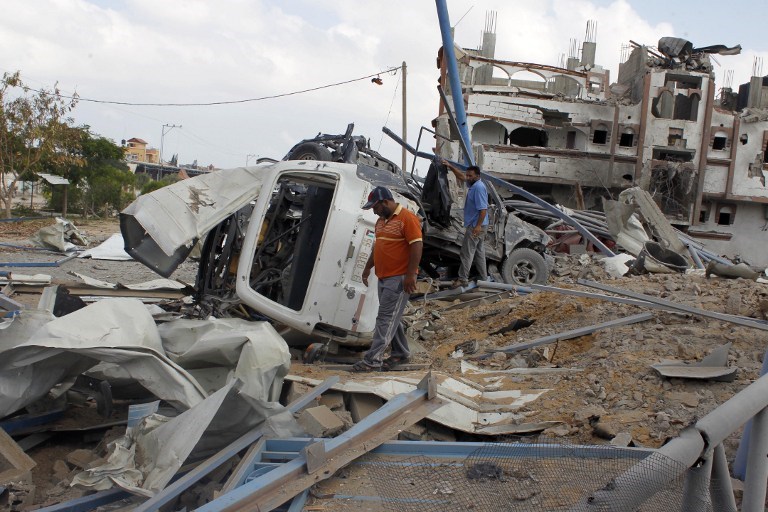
pixel 615 380
pixel 96 231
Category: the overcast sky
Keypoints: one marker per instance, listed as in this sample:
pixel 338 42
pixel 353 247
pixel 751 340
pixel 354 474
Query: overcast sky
pixel 200 51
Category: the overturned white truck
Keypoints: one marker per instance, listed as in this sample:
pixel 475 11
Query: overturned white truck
pixel 289 241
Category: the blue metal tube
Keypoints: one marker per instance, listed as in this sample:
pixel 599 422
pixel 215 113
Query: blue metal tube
pixel 453 75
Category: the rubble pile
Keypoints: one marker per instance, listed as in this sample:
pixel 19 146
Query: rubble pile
pixel 522 361
pixel 615 380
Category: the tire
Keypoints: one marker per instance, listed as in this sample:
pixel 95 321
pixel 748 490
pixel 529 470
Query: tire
pixel 310 151
pixel 524 266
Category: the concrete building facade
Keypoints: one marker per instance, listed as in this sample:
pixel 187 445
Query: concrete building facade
pixel 572 137
pixel 138 150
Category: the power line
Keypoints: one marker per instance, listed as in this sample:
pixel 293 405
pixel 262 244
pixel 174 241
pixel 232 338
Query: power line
pixel 231 102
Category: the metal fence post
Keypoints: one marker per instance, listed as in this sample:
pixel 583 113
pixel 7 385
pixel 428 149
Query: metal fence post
pixel 697 478
pixel 757 465
pixel 720 488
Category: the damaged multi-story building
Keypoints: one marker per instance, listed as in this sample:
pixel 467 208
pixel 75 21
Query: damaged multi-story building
pixel 573 137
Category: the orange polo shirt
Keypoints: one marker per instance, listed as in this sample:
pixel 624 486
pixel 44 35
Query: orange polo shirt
pixel 393 239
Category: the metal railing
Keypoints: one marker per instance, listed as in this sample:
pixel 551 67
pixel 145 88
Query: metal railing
pixel 698 455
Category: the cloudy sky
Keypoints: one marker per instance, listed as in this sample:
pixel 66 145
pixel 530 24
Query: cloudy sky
pixel 201 51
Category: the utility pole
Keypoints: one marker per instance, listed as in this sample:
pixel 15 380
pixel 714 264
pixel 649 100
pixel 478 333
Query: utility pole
pixel 162 138
pixel 248 157
pixel 405 119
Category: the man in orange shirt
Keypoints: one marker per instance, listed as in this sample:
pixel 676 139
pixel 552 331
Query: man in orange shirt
pixel 396 255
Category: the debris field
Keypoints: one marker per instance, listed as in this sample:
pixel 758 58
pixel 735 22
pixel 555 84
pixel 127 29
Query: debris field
pixel 604 387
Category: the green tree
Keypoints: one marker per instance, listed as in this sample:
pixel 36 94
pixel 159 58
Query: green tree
pixel 153 185
pixel 99 177
pixel 33 125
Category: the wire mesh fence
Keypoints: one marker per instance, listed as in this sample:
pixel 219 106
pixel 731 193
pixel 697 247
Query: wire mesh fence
pixel 526 477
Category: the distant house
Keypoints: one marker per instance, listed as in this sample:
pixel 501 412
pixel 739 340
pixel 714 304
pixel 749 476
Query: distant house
pixel 136 150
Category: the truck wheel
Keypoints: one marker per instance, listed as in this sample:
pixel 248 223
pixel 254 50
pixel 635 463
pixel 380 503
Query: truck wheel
pixel 524 266
pixel 310 151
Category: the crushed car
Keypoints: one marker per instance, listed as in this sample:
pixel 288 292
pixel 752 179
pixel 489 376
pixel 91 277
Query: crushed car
pixel 288 241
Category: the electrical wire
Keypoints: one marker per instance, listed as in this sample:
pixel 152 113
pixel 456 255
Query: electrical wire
pixel 230 102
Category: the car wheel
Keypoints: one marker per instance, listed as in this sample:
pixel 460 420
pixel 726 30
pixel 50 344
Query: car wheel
pixel 524 266
pixel 310 151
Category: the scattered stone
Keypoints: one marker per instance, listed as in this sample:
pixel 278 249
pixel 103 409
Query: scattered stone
pixel 600 429
pixel 345 416
pixel 81 458
pixel 415 432
pixel 320 422
pixel 499 357
pixel 60 470
pixel 687 399
pixel 295 391
pixel 583 415
pixel 333 400
pixel 436 432
pixel 427 334
pixel 733 303
pixel 622 439
pixel 558 431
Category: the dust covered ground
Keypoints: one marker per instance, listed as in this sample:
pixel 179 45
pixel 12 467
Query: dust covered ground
pixel 615 381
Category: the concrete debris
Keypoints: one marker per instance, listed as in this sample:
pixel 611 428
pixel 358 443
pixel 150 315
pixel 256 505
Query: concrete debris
pixel 62 236
pixel 320 421
pixel 178 374
pixel 363 405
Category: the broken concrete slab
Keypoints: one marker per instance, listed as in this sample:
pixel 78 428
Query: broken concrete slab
pixel 297 390
pixel 740 270
pixel 81 458
pixel 655 218
pixel 333 400
pixel 712 367
pixel 363 405
pixel 320 421
pixel 466 408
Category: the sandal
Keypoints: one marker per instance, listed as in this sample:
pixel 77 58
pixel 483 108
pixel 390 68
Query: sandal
pixel 361 367
pixel 393 362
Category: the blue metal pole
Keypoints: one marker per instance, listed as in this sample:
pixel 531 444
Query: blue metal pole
pixel 453 76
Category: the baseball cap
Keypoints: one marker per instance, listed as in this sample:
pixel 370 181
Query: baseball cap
pixel 376 195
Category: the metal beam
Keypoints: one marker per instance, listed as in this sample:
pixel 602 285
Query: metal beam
pixel 746 322
pixel 441 449
pixel 9 304
pixel 175 489
pixel 89 502
pixel 574 333
pixel 566 291
pixel 320 460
